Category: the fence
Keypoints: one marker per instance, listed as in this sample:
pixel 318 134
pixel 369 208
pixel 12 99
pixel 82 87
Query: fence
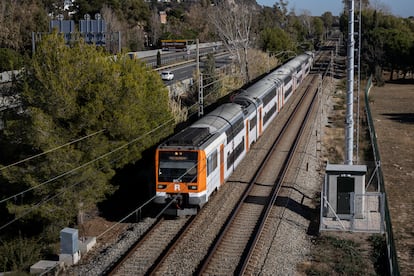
pixel 392 253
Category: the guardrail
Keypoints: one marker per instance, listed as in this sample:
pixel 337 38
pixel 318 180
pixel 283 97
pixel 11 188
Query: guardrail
pixel 391 251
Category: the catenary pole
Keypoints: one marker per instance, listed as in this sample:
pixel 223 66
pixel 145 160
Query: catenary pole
pixel 349 124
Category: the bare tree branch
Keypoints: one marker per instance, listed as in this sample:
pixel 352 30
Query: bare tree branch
pixel 233 25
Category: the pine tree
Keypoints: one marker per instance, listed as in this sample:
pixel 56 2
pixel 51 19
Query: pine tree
pixel 68 93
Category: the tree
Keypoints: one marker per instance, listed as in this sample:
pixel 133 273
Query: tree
pixel 18 19
pixel 113 25
pixel 211 81
pixel 398 44
pixel 317 29
pixel 387 42
pixel 68 93
pixel 10 60
pixel 81 7
pixel 275 40
pixel 233 25
pixel 327 19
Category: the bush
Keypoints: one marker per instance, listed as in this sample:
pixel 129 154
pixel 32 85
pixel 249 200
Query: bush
pixel 10 60
pixel 379 254
pixel 19 254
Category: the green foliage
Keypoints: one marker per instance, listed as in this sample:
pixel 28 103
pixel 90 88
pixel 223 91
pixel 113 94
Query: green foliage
pixel 387 42
pixel 68 93
pixel 18 255
pixel 318 28
pixel 82 7
pixel 10 60
pixel 276 40
pixel 18 20
pixel 327 19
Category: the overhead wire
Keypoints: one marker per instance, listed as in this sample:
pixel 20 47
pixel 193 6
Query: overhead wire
pixel 84 165
pixel 44 201
pixel 51 150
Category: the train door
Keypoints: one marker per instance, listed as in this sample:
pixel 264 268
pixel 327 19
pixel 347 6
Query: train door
pixel 221 164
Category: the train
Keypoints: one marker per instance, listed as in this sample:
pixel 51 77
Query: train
pixel 194 163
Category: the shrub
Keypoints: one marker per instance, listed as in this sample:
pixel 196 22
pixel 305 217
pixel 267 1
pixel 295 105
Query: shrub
pixel 19 254
pixel 10 60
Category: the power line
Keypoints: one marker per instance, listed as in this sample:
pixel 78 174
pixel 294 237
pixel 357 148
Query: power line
pixel 44 201
pixel 36 206
pixel 84 165
pixel 53 149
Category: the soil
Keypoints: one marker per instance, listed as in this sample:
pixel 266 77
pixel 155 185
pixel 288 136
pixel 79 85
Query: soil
pixel 392 109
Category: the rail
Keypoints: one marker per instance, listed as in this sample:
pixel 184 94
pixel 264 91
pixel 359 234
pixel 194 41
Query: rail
pixel 264 213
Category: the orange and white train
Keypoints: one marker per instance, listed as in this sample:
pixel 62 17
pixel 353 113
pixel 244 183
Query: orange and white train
pixel 195 162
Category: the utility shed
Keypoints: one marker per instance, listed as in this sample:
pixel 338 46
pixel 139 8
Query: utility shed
pixel 344 189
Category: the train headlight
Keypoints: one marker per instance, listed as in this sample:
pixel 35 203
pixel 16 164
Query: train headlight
pixel 192 187
pixel 161 186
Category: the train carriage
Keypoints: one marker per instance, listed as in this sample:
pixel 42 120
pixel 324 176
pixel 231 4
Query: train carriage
pixel 194 163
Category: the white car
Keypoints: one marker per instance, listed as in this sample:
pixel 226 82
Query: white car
pixel 167 75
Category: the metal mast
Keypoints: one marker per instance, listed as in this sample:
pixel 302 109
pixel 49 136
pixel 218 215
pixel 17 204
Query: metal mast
pixel 349 124
pixel 359 79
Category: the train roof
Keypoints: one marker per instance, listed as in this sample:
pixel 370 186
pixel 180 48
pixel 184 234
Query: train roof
pixel 288 68
pixel 191 136
pixel 264 85
pixel 221 117
pixel 201 131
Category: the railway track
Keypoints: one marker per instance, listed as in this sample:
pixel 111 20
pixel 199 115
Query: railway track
pixel 233 248
pixel 142 258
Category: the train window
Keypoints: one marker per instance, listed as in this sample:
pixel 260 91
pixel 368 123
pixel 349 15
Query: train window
pixel 177 166
pixel 269 114
pixel 236 128
pixel 253 122
pixel 229 134
pixel 235 154
pixel 287 92
pixel 287 80
pixel 269 96
pixel 211 162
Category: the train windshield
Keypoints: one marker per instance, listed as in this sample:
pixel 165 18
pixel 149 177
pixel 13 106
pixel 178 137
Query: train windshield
pixel 177 166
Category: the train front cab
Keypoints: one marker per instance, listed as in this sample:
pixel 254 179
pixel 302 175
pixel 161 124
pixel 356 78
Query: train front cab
pixel 181 178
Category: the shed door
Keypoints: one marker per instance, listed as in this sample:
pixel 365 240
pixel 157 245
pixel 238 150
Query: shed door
pixel 345 186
